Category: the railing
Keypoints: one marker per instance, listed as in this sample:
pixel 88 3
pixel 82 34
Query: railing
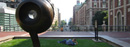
pixel 101 28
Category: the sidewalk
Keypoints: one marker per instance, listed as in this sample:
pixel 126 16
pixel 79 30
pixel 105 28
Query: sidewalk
pixel 121 38
pixel 4 34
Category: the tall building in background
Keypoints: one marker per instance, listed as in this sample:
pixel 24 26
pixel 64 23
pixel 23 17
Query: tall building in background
pixel 92 6
pixel 70 22
pixel 7 18
pixel 59 19
pixel 75 11
pixel 56 19
pixel 82 14
pixel 11 3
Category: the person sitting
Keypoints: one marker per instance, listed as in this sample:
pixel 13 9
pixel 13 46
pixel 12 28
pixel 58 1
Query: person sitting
pixel 71 42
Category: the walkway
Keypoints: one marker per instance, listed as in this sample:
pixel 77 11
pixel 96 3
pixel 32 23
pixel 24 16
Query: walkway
pixel 117 37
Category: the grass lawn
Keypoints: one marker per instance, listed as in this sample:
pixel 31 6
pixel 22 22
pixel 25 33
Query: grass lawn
pixel 53 43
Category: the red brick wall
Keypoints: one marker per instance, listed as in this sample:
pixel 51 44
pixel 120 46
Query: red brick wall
pixel 122 10
pixel 92 4
pixel 111 17
pixel 111 20
pixel 122 2
pixel 127 2
pixel 116 3
pixel 97 4
pixel 128 16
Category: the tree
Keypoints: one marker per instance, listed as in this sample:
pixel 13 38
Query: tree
pixel 54 26
pixel 100 16
pixel 106 18
pixel 63 22
pixel 70 23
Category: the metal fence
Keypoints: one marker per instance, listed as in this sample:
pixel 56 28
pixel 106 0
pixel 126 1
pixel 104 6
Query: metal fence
pixel 101 28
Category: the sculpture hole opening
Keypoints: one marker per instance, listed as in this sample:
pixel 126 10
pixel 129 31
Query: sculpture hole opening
pixel 32 14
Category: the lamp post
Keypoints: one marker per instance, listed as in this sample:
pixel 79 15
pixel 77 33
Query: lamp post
pixel 96 30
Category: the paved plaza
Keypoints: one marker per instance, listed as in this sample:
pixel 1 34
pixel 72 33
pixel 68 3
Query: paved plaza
pixel 121 38
pixel 4 34
pixel 117 37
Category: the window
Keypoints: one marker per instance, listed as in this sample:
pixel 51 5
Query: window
pixel 115 21
pixel 95 4
pixel 104 0
pixel 129 1
pixel 104 5
pixel 119 2
pixel 111 1
pixel 123 21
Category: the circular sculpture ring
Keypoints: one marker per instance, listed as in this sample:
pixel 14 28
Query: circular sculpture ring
pixel 35 15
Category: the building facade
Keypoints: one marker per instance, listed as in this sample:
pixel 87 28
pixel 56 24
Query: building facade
pixel 7 19
pixel 75 13
pixel 82 14
pixel 12 3
pixel 8 22
pixel 56 19
pixel 119 13
pixel 92 6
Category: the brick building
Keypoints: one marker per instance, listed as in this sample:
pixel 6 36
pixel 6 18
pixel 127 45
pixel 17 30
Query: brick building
pixel 82 14
pixel 75 13
pixel 119 13
pixel 92 6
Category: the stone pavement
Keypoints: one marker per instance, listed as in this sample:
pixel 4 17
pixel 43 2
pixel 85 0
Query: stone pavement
pixel 4 34
pixel 122 38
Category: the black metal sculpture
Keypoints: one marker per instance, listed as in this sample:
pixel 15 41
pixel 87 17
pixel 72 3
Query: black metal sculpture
pixel 35 16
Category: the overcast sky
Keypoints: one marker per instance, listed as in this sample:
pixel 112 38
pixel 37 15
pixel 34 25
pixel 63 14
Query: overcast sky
pixel 65 7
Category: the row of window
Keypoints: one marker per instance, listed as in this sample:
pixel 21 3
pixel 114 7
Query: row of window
pixel 103 5
pixel 119 3
pixel 96 0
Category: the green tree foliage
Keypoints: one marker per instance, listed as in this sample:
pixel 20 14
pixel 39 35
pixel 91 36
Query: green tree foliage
pixel 106 17
pixel 55 26
pixel 100 16
pixel 63 22
pixel 70 23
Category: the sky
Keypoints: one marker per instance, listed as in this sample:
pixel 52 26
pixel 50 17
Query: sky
pixel 65 7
